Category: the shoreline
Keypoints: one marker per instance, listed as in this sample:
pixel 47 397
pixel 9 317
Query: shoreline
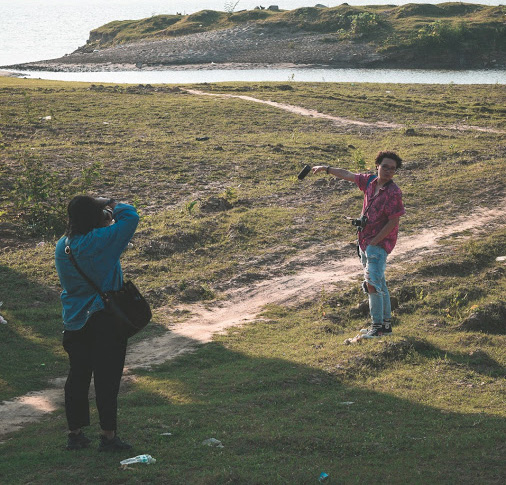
pixel 127 67
pixel 14 70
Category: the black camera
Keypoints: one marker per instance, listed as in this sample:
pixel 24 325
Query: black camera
pixel 106 217
pixel 304 172
pixel 359 223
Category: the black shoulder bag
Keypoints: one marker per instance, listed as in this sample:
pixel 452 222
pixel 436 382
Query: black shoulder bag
pixel 130 309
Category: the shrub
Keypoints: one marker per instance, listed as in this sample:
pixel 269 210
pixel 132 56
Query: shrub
pixel 363 23
pixel 441 34
pixel 40 196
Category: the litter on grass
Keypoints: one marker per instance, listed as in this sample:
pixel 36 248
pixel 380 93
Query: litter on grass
pixel 357 339
pixel 2 319
pixel 213 442
pixel 138 459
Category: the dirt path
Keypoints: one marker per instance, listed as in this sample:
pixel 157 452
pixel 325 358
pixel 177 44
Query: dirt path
pixel 243 305
pixel 340 120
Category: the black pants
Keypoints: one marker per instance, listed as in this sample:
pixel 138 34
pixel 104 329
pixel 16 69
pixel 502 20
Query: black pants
pixel 95 349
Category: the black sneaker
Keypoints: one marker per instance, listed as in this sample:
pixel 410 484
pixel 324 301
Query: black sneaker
pixel 77 441
pixel 375 331
pixel 114 444
pixel 386 328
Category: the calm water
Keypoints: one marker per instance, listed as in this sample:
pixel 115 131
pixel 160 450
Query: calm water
pixel 34 30
pixel 305 75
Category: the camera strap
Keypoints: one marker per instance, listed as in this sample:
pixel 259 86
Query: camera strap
pixel 376 196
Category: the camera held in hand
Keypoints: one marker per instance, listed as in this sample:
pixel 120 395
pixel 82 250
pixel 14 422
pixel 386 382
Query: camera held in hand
pixel 107 218
pixel 359 223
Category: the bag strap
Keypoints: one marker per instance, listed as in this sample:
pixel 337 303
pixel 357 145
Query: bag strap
pixel 68 252
pixel 370 179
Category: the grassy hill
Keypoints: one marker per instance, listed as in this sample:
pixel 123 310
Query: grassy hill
pixel 451 34
pixel 215 182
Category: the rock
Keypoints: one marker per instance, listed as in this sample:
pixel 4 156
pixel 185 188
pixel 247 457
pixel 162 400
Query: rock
pixel 273 8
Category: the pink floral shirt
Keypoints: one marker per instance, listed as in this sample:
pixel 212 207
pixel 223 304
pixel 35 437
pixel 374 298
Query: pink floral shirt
pixel 386 205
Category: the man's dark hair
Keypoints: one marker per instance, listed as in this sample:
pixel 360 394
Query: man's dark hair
pixel 85 214
pixel 392 155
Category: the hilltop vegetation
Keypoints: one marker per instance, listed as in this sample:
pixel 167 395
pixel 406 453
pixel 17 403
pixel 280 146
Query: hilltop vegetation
pixel 358 21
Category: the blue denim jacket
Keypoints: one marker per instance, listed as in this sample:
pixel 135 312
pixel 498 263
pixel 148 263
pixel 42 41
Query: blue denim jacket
pixel 97 254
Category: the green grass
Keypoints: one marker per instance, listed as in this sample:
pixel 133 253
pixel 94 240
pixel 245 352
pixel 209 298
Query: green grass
pixel 427 403
pixel 288 400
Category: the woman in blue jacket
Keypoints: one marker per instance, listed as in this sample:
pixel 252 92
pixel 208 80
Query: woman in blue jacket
pixel 98 232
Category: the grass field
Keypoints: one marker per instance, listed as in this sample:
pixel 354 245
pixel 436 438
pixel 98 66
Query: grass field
pixel 287 399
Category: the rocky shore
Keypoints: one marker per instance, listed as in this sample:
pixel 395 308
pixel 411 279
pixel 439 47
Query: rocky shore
pixel 241 47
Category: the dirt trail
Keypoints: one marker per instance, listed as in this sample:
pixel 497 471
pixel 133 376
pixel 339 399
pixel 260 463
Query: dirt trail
pixel 340 120
pixel 243 306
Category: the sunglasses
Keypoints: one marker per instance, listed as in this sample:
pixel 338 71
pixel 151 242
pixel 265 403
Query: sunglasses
pixel 387 168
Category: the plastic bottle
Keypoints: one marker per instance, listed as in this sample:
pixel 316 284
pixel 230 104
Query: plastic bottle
pixel 138 459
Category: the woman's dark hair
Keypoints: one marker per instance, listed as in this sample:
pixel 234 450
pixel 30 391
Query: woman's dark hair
pixel 392 155
pixel 85 214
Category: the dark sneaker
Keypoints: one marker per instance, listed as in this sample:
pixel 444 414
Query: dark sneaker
pixel 77 441
pixel 386 328
pixel 114 444
pixel 375 331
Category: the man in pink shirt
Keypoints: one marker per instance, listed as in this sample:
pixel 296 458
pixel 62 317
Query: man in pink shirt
pixel 377 232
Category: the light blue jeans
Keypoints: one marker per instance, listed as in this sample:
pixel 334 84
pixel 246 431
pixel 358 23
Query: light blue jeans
pixel 374 261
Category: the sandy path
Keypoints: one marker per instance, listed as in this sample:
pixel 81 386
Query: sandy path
pixel 242 306
pixel 340 120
